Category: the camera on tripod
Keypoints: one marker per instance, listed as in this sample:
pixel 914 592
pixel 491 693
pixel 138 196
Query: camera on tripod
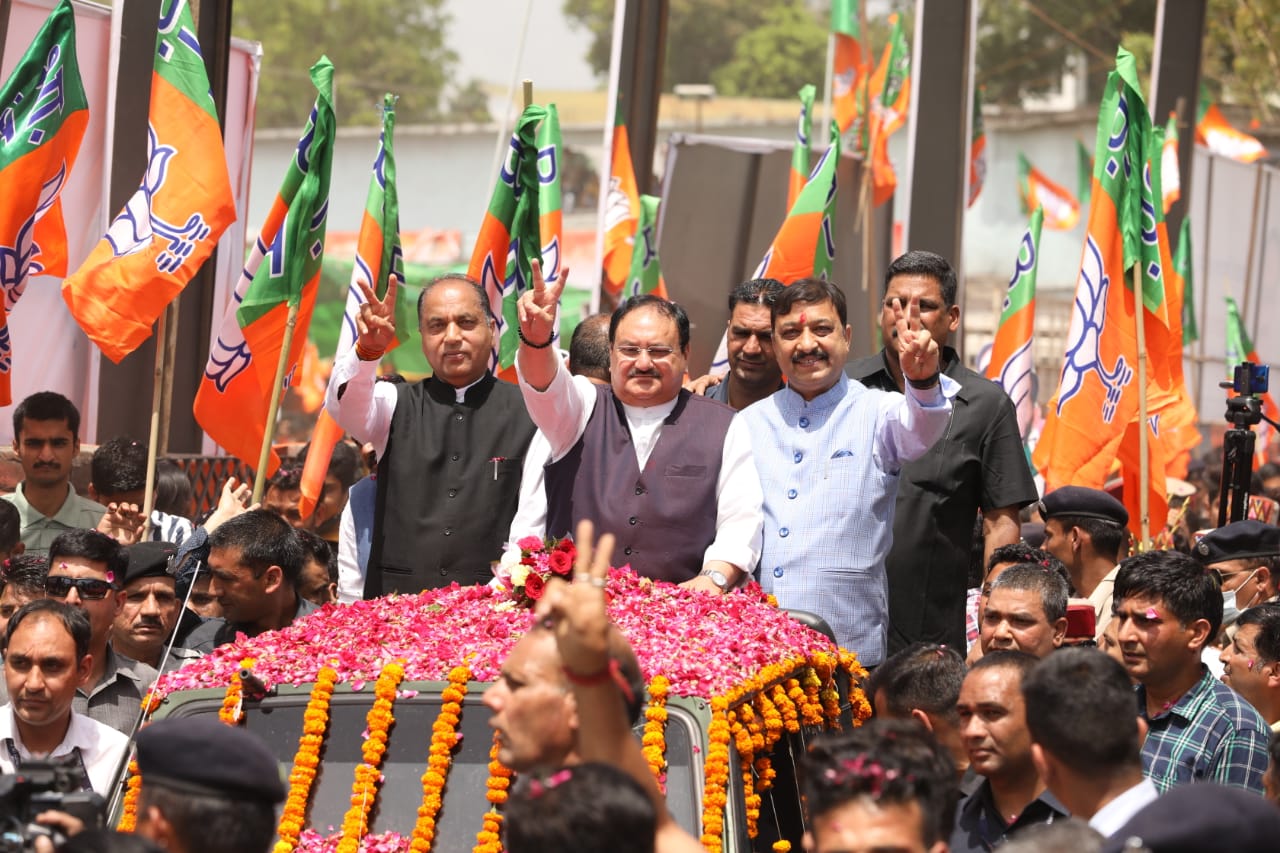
pixel 41 786
pixel 1244 412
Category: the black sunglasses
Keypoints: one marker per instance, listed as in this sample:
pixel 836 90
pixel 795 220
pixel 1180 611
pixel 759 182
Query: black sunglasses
pixel 90 589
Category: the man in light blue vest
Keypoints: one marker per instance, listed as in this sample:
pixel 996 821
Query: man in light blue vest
pixel 829 451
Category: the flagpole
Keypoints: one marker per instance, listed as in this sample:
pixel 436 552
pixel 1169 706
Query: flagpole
pixel 1144 468
pixel 273 408
pixel 828 80
pixel 157 404
pixel 170 358
pixel 606 160
pixel 500 150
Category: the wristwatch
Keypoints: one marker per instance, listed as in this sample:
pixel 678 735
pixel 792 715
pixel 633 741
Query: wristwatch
pixel 717 578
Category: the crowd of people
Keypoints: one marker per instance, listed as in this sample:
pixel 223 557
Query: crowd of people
pixel 1035 680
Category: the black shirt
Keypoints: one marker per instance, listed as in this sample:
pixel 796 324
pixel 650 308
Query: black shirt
pixel 981 827
pixel 979 462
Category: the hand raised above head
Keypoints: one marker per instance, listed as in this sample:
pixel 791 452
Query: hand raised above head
pixel 536 308
pixel 376 320
pixel 577 612
pixel 918 352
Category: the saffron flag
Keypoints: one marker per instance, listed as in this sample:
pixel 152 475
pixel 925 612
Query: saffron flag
pixel 890 88
pixel 1061 210
pixel 550 215
pixel 1011 364
pixel 1182 267
pixel 977 150
pixel 510 235
pixel 621 212
pixel 282 270
pixel 43 115
pixel 646 272
pixel 378 255
pixel 1097 397
pixel 848 67
pixel 803 246
pixel 1084 175
pixel 800 154
pixel 1217 134
pixel 171 224
pixel 1171 177
pixel 1240 349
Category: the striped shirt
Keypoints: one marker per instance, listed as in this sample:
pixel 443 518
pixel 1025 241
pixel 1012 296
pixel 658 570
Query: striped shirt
pixel 1208 735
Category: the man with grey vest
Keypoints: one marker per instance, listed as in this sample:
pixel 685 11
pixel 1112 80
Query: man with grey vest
pixel 668 473
pixel 450 448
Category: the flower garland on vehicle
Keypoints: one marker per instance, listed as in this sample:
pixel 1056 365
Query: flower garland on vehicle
pixel 489 839
pixel 716 770
pixel 365 788
pixel 315 725
pixel 525 568
pixel 653 741
pixel 444 737
pixel 232 711
pixel 129 811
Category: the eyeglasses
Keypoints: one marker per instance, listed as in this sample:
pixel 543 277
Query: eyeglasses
pixel 632 352
pixel 90 589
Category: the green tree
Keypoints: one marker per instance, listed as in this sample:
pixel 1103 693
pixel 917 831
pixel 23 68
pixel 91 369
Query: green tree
pixel 470 103
pixel 376 46
pixel 1242 53
pixel 774 60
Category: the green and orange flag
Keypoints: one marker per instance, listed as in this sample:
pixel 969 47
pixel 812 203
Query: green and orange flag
pixel 378 255
pixel 890 94
pixel 848 65
pixel 800 153
pixel 1061 210
pixel 1084 175
pixel 1171 177
pixel 977 150
pixel 1218 135
pixel 621 212
pixel 43 115
pixel 172 223
pixel 520 226
pixel 1182 267
pixel 1096 402
pixel 1011 364
pixel 646 270
pixel 804 246
pixel 1240 349
pixel 281 271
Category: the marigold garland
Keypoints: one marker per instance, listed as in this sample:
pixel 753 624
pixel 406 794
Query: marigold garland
pixel 489 839
pixel 232 711
pixel 716 768
pixel 444 737
pixel 653 742
pixel 365 788
pixel 129 812
pixel 315 726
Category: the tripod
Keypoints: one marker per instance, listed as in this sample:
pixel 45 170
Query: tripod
pixel 1244 412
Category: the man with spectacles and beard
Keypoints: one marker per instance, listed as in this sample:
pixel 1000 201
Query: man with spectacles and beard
pixel 87 570
pixel 670 474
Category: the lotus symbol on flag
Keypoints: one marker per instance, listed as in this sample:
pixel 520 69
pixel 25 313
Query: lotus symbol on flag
pixel 842 83
pixel 1087 320
pixel 137 225
pixel 20 261
pixel 617 208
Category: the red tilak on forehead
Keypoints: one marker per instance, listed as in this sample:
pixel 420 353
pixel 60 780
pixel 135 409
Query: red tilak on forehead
pixel 801 316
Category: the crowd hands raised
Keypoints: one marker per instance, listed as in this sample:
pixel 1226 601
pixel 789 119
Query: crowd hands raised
pixel 890 496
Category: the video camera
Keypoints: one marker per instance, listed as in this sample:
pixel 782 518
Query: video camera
pixel 1244 411
pixel 41 786
pixel 1250 381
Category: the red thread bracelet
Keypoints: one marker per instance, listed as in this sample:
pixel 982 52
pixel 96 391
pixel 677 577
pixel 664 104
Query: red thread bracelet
pixel 612 672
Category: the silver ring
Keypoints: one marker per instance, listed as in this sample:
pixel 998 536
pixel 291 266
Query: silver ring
pixel 598 583
pixel 580 577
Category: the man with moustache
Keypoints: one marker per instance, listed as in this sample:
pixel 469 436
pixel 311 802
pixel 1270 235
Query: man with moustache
pixel 667 472
pixel 1251 661
pixel 450 449
pixel 830 452
pixel 978 465
pixel 753 369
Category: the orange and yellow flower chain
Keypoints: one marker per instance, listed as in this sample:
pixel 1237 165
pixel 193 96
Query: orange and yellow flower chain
pixel 315 725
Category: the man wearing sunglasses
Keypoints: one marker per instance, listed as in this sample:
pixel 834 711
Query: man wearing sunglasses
pixel 668 473
pixel 87 570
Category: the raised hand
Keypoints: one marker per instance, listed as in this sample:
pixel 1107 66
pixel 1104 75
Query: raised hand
pixel 123 522
pixel 576 612
pixel 376 320
pixel 537 305
pixel 917 350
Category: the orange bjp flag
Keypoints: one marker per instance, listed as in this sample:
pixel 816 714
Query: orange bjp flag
pixel 622 211
pixel 172 223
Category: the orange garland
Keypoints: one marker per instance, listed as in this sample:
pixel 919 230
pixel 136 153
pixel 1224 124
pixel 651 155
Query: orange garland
pixel 444 737
pixel 129 813
pixel 315 725
pixel 365 788
pixel 489 839
pixel 717 776
pixel 653 741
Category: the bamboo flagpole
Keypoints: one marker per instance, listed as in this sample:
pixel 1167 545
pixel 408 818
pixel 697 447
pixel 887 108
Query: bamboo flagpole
pixel 273 407
pixel 1144 464
pixel 157 404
